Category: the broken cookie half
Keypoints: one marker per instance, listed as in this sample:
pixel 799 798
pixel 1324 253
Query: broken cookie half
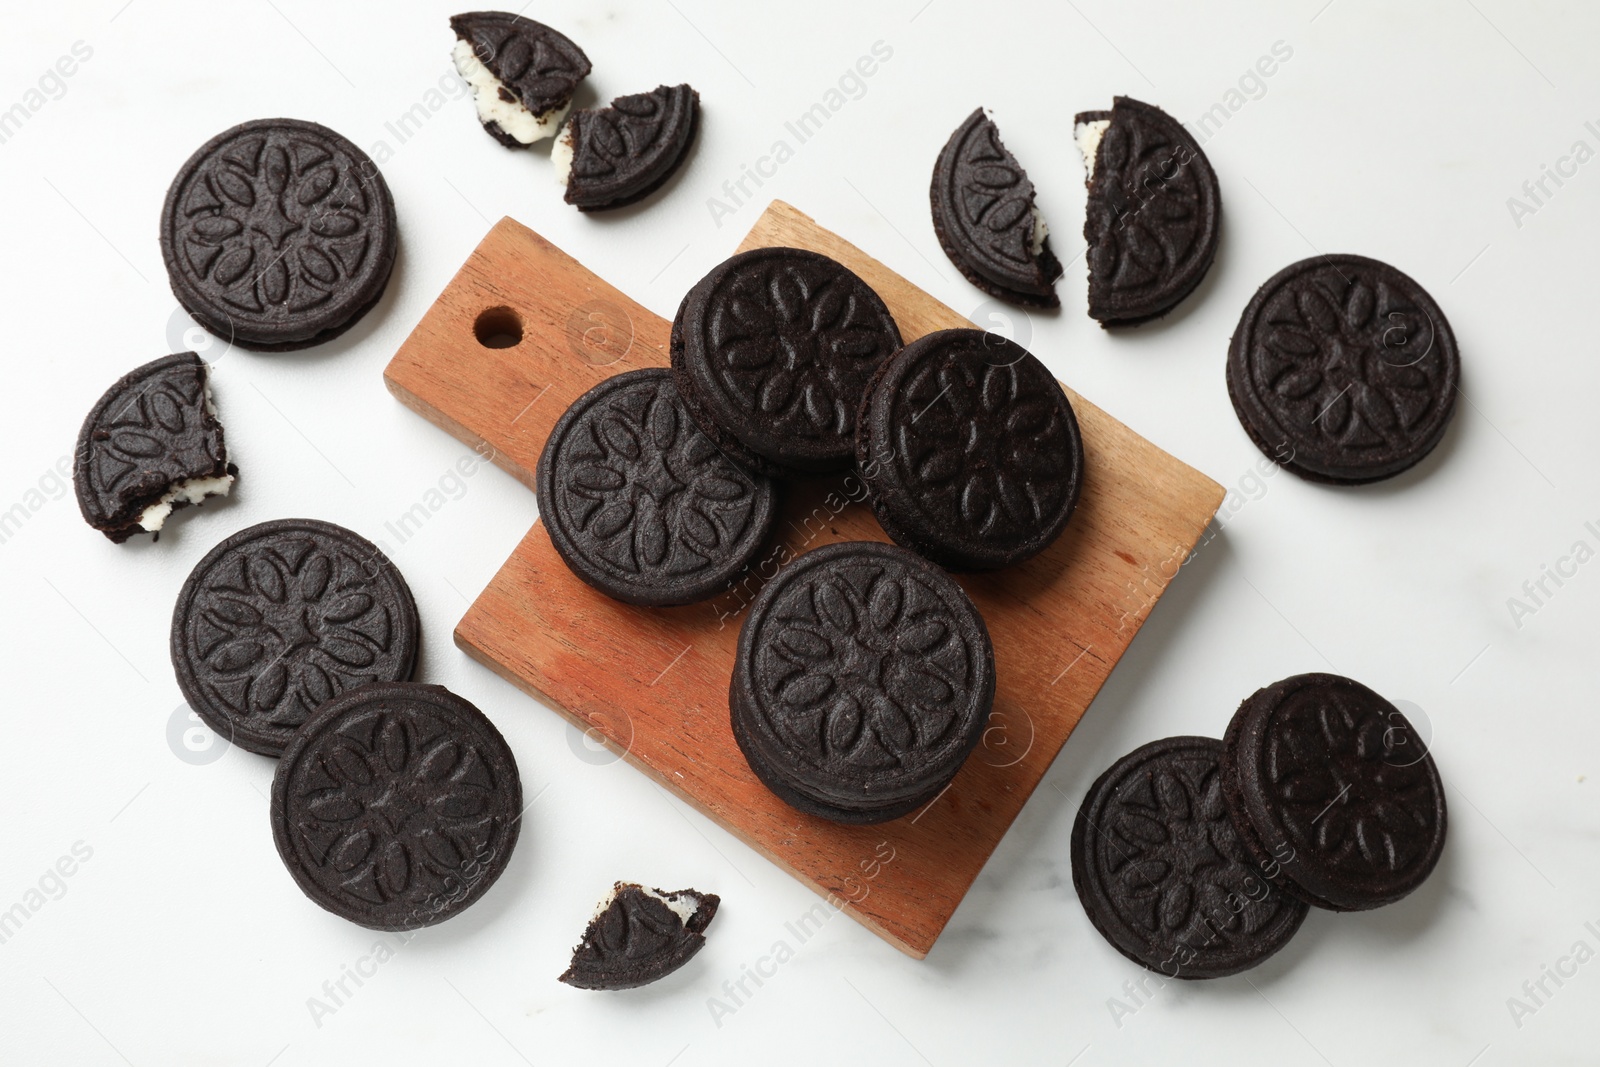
pixel 522 74
pixel 986 219
pixel 611 156
pixel 150 446
pixel 1154 211
pixel 639 935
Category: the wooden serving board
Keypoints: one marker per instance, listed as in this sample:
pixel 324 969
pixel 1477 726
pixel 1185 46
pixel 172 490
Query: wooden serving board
pixel 654 682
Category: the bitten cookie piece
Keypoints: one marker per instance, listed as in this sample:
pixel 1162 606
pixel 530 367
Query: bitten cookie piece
pixel 640 935
pixel 1154 211
pixel 986 220
pixel 612 156
pixel 151 445
pixel 522 73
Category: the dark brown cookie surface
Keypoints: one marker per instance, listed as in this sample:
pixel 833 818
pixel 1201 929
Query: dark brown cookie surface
pixel 278 234
pixel 970 449
pixel 772 351
pixel 283 616
pixel 985 218
pixel 1343 369
pixel 640 504
pixel 533 71
pixel 396 806
pixel 1162 874
pixel 864 676
pixel 623 153
pixel 1154 214
pixel 640 935
pixel 151 444
pixel 1321 777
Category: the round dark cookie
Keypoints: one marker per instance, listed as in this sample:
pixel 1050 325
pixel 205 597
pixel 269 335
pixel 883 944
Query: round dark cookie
pixel 397 805
pixel 1154 214
pixel 643 506
pixel 151 431
pixel 538 66
pixel 623 153
pixel 278 234
pixel 1343 370
pixel 280 618
pixel 863 678
pixel 1321 778
pixel 772 351
pixel 970 450
pixel 1162 874
pixel 983 215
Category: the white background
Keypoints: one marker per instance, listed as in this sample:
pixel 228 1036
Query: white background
pixel 1395 132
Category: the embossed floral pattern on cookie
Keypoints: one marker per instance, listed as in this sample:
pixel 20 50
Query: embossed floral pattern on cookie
pixel 397 805
pixel 280 618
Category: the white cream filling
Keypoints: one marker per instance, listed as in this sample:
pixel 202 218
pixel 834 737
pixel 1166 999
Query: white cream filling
pixel 1040 231
pixel 517 121
pixel 1088 135
pixel 561 155
pixel 683 904
pixel 190 491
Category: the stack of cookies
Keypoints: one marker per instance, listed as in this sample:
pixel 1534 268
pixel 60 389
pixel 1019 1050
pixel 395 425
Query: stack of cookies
pixel 864 674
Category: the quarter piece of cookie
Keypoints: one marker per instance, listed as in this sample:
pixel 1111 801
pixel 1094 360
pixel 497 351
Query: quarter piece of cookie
pixel 1343 370
pixel 643 506
pixel 986 220
pixel 1154 214
pixel 397 805
pixel 863 678
pixel 970 450
pixel 772 352
pixel 278 234
pixel 282 617
pixel 1322 779
pixel 1162 874
pixel 640 935
pixel 151 445
pixel 522 74
pixel 611 156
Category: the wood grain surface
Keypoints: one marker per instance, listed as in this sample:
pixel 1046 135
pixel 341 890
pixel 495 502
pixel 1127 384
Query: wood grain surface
pixel 654 682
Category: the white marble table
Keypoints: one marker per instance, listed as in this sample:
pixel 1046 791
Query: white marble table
pixel 1417 135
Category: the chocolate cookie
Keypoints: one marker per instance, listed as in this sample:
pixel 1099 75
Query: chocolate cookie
pixel 522 74
pixel 863 678
pixel 970 450
pixel 640 935
pixel 1344 370
pixel 396 805
pixel 280 618
pixel 1154 211
pixel 772 352
pixel 1161 872
pixel 611 156
pixel 640 504
pixel 1321 777
pixel 278 234
pixel 986 220
pixel 150 446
